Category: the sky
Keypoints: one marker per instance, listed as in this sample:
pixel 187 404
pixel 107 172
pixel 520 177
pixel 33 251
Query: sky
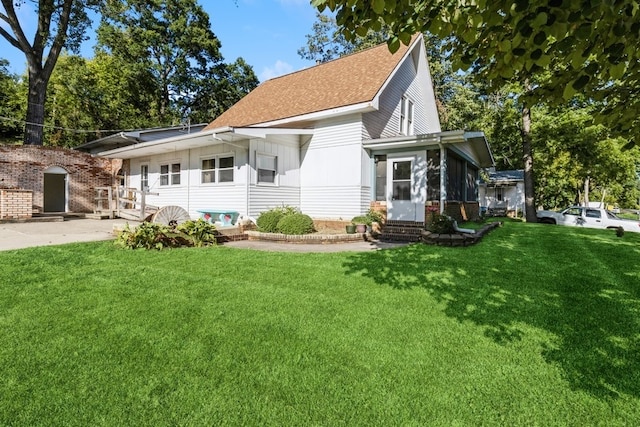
pixel 266 33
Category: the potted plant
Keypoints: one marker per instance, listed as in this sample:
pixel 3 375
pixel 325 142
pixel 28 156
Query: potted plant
pixel 351 228
pixel 376 219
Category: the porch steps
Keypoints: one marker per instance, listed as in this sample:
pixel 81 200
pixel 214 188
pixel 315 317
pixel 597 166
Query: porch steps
pixel 402 231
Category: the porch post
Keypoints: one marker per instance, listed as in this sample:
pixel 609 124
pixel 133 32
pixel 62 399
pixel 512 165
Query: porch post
pixel 443 177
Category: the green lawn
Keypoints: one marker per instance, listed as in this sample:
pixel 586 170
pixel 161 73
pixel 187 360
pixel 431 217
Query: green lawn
pixel 537 325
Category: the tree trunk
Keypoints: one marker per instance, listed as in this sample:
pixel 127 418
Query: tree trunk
pixel 586 191
pixel 527 157
pixel 34 128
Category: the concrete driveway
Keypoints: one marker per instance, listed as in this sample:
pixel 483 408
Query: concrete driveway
pixel 43 233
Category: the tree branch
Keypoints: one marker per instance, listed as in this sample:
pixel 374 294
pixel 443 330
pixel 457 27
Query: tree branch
pixel 20 41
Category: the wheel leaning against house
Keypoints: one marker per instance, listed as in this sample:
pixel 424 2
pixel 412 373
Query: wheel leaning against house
pixel 171 215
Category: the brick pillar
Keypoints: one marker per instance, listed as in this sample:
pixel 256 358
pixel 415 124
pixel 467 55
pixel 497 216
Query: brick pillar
pixel 16 204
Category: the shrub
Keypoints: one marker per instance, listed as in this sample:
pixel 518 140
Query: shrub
pixel 199 233
pixel 149 235
pixel 375 216
pixel 297 223
pixel 441 224
pixel 268 221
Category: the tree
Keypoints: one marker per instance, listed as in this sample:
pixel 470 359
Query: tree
pixel 571 151
pixel 327 42
pixel 173 39
pixel 90 96
pixel 61 23
pixel 588 46
pixel 11 110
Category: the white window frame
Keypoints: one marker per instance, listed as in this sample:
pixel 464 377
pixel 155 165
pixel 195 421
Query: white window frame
pixel 170 174
pixel 406 116
pixel 217 169
pixel 274 169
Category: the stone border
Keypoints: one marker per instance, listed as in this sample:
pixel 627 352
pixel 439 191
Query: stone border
pixel 306 238
pixel 458 239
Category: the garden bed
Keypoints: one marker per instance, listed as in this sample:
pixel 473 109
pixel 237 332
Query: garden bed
pixel 458 239
pixel 318 238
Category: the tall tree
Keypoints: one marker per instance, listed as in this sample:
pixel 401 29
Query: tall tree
pixel 173 39
pixel 11 110
pixel 570 151
pixel 61 23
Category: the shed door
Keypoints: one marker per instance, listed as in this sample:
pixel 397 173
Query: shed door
pixel 405 194
pixel 55 190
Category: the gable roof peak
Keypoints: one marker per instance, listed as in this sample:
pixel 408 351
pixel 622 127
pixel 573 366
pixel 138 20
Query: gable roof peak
pixel 349 80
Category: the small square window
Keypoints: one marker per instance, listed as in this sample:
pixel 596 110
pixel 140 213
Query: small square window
pixel 170 174
pixel 267 169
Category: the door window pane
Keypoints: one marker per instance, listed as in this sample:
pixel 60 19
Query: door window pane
pixel 402 170
pixel 402 180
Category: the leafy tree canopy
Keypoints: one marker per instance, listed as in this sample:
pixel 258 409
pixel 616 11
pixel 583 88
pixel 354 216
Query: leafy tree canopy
pixel 590 47
pixel 173 39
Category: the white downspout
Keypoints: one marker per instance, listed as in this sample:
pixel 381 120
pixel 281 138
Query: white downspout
pixel 443 176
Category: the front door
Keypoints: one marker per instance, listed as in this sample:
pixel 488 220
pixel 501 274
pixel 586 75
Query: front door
pixel 55 189
pixel 406 190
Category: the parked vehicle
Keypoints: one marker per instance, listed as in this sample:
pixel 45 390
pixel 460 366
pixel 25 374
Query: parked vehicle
pixel 581 216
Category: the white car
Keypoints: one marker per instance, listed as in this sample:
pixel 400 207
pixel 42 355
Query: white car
pixel 581 216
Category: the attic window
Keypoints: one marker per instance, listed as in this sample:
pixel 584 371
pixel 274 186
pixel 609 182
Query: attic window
pixel 406 116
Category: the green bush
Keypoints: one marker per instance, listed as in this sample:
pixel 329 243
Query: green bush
pixel 297 223
pixel 268 221
pixel 149 235
pixel 199 233
pixel 375 216
pixel 441 224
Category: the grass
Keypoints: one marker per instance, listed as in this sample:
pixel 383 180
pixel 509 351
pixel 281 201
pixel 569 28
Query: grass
pixel 536 325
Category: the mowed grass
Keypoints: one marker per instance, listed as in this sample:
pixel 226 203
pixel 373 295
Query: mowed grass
pixel 537 325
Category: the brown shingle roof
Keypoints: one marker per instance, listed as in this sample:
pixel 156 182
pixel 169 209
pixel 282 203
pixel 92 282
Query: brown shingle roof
pixel 349 80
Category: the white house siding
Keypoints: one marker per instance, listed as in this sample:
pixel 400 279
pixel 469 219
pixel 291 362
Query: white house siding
pixel 512 197
pixel 413 79
pixel 286 191
pixel 331 172
pixel 191 194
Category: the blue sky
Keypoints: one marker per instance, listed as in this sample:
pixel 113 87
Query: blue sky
pixel 266 33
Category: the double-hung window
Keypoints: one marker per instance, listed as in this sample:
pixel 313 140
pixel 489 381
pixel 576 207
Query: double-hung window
pixel 267 168
pixel 217 169
pixel 406 116
pixel 170 174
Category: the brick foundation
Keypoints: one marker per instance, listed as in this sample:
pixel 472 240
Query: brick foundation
pixel 15 204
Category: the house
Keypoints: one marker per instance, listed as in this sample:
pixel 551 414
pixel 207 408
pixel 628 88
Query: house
pixel 333 140
pixel 502 193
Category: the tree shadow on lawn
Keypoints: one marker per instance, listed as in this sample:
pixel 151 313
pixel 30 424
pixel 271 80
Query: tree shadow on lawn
pixel 587 296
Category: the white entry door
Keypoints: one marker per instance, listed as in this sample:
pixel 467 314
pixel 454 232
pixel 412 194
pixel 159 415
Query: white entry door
pixel 406 192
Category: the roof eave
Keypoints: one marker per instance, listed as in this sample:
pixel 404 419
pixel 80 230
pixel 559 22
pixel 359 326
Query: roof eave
pixel 363 107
